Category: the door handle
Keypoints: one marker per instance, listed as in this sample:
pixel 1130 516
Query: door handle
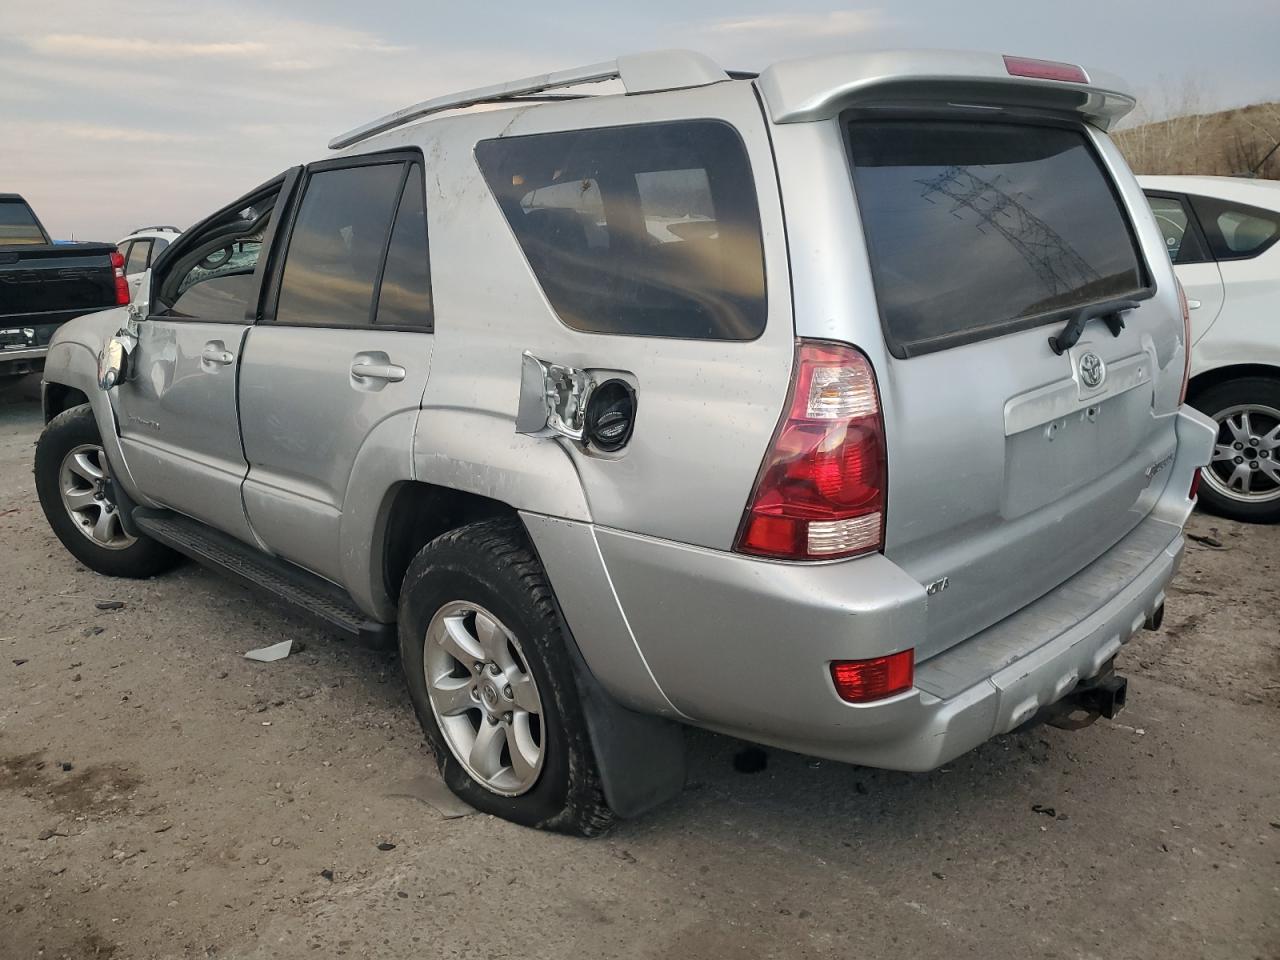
pixel 368 370
pixel 1193 304
pixel 216 352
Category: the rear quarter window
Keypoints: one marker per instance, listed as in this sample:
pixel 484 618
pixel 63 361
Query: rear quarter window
pixel 1236 231
pixel 977 229
pixel 648 230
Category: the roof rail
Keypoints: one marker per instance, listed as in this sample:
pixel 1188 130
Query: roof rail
pixel 639 73
pixel 160 227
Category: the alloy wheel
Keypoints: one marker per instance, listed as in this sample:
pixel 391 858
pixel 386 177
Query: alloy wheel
pixel 1246 457
pixel 484 697
pixel 84 483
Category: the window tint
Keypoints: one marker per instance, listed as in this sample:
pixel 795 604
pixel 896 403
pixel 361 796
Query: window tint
pixel 135 260
pixel 18 225
pixel 158 244
pixel 676 204
pixel 1178 229
pixel 1234 230
pixel 404 298
pixel 977 229
pixel 336 246
pixel 648 230
pixel 219 284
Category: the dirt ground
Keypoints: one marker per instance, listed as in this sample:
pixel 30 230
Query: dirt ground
pixel 163 797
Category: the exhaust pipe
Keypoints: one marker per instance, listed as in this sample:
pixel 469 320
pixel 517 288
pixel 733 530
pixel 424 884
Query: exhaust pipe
pixel 1102 696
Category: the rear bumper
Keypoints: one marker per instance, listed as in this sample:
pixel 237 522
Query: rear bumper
pixel 26 340
pixel 23 353
pixel 743 646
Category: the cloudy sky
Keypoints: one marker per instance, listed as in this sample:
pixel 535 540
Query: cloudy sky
pixel 145 111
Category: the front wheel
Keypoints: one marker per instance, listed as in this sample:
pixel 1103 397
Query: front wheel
pixel 77 494
pixel 1242 480
pixel 484 655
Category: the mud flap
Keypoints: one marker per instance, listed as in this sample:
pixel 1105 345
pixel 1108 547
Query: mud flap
pixel 641 758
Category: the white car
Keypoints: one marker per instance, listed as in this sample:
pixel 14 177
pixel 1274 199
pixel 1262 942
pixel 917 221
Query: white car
pixel 1223 236
pixel 141 247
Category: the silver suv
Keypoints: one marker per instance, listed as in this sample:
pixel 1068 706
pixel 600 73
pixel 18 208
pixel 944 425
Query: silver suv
pixel 838 408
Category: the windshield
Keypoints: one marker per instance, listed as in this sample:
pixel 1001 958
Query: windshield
pixel 977 229
pixel 17 225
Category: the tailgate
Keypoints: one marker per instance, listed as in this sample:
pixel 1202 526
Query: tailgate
pixel 1011 466
pixel 987 211
pixel 55 279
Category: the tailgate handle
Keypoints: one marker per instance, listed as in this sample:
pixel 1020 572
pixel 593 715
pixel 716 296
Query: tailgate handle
pixel 1109 312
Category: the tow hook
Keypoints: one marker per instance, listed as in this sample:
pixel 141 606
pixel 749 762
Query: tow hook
pixel 1103 696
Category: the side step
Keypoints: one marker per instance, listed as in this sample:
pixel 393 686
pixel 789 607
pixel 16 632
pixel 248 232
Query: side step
pixel 323 601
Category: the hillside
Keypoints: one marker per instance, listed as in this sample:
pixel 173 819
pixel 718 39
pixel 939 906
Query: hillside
pixel 1227 142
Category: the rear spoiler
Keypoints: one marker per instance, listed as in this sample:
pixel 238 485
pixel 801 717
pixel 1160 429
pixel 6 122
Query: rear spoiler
pixel 818 88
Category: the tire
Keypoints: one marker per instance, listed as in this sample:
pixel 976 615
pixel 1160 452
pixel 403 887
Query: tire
pixel 487 573
pixel 1248 415
pixel 70 460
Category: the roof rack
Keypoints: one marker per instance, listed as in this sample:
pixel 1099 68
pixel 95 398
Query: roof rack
pixel 639 73
pixel 161 227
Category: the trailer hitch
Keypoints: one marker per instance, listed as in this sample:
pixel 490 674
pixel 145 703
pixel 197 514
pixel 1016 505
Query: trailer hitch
pixel 1101 696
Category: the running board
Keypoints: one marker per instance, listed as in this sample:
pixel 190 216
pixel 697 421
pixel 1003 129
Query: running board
pixel 323 601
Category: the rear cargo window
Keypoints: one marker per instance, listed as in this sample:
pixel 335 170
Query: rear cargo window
pixel 979 229
pixel 646 230
pixel 18 226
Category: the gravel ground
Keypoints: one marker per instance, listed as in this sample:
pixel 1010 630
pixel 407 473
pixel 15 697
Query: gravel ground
pixel 162 797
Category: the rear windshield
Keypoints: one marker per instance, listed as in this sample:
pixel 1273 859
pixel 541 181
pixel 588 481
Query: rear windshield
pixel 649 230
pixel 979 229
pixel 17 225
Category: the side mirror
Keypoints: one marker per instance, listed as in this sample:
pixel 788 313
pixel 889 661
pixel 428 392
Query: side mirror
pixel 113 360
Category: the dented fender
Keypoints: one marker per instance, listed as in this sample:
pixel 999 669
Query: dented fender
pixel 72 361
pixel 481 453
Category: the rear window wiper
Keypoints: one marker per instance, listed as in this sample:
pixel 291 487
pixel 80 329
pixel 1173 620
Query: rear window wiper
pixel 1109 312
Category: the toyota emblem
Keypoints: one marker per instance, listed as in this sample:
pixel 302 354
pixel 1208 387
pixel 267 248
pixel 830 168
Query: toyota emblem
pixel 1092 370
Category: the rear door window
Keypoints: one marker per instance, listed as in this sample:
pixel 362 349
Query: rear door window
pixel 1236 231
pixel 979 229
pixel 135 260
pixel 336 246
pixel 649 230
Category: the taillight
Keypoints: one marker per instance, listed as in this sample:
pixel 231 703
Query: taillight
pixel 1044 70
pixel 861 681
pixel 1195 485
pixel 1186 341
pixel 820 494
pixel 122 284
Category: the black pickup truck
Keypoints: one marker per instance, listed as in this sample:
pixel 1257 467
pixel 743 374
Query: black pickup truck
pixel 43 284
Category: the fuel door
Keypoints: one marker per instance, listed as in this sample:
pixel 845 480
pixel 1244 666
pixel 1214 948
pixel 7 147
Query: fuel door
pixel 594 408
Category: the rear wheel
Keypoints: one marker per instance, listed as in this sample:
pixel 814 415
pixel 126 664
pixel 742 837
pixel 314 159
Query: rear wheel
pixel 77 494
pixel 485 660
pixel 1242 480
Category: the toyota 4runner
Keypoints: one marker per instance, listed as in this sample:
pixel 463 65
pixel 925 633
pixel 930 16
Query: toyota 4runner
pixel 838 408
